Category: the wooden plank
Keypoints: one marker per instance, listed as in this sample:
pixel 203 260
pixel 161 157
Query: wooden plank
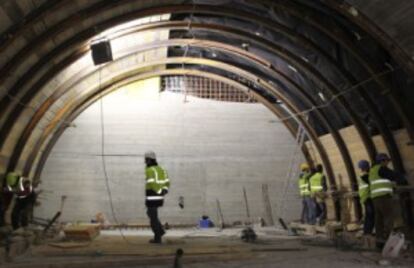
pixel 220 214
pixel 268 207
pixel 303 228
pixel 81 232
pixel 247 204
pixel 368 242
pixel 321 229
pixel 66 245
pixel 352 227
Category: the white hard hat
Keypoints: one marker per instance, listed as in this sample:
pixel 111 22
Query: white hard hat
pixel 150 154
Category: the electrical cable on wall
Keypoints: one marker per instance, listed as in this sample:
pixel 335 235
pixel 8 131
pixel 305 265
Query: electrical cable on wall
pixel 336 96
pixel 104 167
pixel 282 119
pixel 190 21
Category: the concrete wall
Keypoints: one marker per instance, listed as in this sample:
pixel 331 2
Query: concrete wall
pixel 211 150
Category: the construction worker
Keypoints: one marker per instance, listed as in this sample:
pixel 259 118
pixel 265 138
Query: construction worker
pixel 25 198
pixel 13 183
pixel 318 190
pixel 304 192
pixel 364 197
pixel 381 180
pixel 2 205
pixel 156 187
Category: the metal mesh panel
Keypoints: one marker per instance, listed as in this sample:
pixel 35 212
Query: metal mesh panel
pixel 205 88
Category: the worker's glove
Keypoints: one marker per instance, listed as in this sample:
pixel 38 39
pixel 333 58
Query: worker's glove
pixel 164 192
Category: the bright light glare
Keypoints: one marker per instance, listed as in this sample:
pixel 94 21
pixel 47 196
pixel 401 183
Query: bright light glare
pixel 132 24
pixel 143 90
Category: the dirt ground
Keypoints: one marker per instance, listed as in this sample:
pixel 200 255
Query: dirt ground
pixel 202 248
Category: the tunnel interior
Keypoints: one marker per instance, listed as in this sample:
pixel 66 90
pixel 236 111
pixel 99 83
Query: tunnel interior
pixel 196 140
pixel 331 72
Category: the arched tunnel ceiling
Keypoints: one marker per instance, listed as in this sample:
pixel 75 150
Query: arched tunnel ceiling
pixel 394 18
pixel 300 53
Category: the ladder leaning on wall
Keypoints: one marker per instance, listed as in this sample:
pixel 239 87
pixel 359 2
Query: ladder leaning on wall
pixel 292 170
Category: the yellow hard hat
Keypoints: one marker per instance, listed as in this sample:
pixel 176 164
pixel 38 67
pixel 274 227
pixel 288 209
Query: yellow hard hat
pixel 304 166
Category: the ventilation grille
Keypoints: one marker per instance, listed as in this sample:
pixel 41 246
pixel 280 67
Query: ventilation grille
pixel 205 88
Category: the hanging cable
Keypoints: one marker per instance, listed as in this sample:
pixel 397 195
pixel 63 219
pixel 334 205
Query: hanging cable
pixel 336 96
pixel 104 167
pixel 187 47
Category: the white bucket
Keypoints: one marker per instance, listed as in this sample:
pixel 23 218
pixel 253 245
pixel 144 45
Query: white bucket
pixel 394 245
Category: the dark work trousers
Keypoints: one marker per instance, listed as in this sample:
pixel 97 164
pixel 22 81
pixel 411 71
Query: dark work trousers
pixel 321 211
pixel 155 223
pixel 369 216
pixel 384 218
pixel 2 211
pixel 306 216
pixel 313 211
pixel 20 217
pixel 320 208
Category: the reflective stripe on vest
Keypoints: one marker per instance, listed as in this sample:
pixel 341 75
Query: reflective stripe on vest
pixel 25 193
pixel 155 197
pixel 17 187
pixel 156 179
pixel 316 183
pixel 379 186
pixel 363 190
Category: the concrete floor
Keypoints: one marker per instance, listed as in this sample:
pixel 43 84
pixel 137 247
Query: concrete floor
pixel 202 248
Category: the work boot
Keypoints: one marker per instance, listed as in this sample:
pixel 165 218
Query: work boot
pixel 157 238
pixel 379 246
pixel 162 233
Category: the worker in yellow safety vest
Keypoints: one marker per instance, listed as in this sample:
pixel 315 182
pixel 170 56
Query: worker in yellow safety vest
pixel 365 198
pixel 156 187
pixel 318 191
pixel 381 180
pixel 304 192
pixel 12 184
pixel 23 205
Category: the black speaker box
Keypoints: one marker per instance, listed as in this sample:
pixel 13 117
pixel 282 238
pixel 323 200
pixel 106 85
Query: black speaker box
pixel 101 52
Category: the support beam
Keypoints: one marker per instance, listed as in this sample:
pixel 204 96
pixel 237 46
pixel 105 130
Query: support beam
pixel 359 125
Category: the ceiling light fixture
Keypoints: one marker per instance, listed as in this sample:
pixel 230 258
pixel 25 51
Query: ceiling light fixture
pixel 292 68
pixel 322 96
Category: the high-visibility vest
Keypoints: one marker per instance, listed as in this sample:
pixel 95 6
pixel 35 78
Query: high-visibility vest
pixel 14 182
pixel 316 182
pixel 379 186
pixel 363 190
pixel 304 184
pixel 156 181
